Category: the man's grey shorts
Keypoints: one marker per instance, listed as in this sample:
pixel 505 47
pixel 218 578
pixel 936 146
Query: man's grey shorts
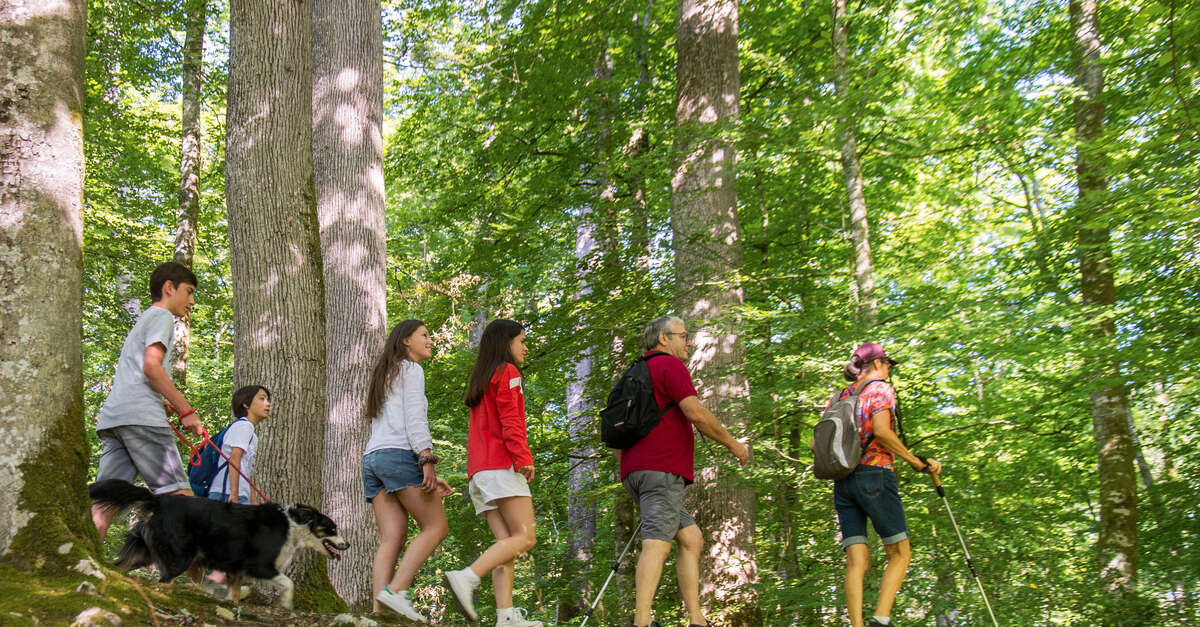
pixel 660 497
pixel 131 450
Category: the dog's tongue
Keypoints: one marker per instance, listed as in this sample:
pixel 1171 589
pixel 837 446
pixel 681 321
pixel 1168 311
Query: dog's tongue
pixel 333 553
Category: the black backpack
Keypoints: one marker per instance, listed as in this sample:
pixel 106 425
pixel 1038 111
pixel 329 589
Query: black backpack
pixel 632 411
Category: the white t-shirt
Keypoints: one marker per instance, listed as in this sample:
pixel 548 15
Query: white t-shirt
pixel 403 421
pixel 240 434
pixel 132 401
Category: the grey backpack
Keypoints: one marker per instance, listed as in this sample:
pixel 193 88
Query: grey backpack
pixel 837 444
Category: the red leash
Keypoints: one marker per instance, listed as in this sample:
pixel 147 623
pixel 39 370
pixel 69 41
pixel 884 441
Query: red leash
pixel 194 456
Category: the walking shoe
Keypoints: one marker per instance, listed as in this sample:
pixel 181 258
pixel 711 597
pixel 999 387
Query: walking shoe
pixel 875 623
pixel 462 584
pixel 398 602
pixel 653 623
pixel 514 617
pixel 707 623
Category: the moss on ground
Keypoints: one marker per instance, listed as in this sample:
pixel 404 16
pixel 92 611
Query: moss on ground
pixel 29 597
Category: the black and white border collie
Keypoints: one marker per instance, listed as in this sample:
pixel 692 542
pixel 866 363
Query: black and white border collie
pixel 184 533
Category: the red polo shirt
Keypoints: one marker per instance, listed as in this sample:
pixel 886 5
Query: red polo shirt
pixel 670 446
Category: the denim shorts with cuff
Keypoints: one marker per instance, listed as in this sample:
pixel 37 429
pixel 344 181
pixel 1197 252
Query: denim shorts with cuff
pixel 660 497
pixel 870 492
pixel 391 469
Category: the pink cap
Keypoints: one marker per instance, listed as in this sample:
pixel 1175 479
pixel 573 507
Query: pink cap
pixel 870 351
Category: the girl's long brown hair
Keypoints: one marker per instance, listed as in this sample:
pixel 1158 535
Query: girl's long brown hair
pixel 388 365
pixel 493 351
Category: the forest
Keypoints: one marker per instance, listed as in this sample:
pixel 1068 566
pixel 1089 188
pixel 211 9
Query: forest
pixel 1004 194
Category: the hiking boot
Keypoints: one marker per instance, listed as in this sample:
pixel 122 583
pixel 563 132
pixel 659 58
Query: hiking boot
pixel 514 617
pixel 462 584
pixel 398 602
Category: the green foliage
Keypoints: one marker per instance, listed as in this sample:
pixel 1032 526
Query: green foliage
pixel 504 143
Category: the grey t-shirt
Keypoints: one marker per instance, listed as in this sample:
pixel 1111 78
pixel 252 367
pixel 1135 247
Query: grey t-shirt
pixel 132 401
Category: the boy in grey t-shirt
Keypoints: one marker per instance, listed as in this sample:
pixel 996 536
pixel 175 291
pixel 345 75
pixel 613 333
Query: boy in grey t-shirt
pixel 135 438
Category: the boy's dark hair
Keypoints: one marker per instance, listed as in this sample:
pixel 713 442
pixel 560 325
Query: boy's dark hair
pixel 244 396
pixel 172 271
pixel 493 352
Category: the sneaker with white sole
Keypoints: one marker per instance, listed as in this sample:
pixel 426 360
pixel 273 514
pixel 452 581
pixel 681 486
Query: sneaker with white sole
pixel 462 584
pixel 514 617
pixel 398 602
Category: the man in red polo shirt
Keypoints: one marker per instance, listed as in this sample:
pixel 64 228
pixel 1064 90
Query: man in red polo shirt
pixel 657 468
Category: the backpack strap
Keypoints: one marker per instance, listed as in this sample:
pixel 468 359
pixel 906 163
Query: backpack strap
pixel 646 358
pixel 857 393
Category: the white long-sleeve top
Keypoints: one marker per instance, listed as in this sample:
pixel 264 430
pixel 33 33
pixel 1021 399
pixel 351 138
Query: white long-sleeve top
pixel 403 421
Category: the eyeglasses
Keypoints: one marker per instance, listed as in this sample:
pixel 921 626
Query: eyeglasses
pixel 687 337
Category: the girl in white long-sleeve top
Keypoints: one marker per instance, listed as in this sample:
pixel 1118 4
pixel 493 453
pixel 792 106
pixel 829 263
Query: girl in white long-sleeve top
pixel 398 467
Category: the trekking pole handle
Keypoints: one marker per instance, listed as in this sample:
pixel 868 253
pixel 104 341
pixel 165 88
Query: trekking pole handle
pixel 937 485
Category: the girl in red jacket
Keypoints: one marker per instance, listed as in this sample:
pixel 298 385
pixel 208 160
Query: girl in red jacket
pixel 499 469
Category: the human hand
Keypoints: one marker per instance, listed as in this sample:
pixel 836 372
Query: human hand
pixel 527 472
pixel 429 484
pixel 441 488
pixel 191 424
pixel 934 466
pixel 740 450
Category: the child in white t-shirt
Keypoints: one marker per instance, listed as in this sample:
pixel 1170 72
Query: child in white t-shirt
pixel 251 405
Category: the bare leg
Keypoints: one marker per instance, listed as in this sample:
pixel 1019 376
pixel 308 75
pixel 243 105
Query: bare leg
pixel 899 554
pixel 649 571
pixel 516 515
pixel 687 571
pixel 102 518
pixel 431 519
pixel 504 574
pixel 392 520
pixel 858 559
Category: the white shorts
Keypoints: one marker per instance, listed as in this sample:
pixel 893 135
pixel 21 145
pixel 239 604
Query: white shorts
pixel 488 486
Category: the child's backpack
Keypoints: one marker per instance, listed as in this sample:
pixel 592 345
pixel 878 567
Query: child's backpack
pixel 201 476
pixel 837 444
pixel 632 411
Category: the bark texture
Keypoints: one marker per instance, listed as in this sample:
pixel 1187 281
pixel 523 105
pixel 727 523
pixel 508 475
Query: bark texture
pixel 41 270
pixel 275 255
pixel 1117 542
pixel 187 212
pixel 868 307
pixel 708 255
pixel 348 158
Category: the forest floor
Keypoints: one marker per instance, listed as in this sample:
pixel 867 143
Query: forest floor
pixel 27 598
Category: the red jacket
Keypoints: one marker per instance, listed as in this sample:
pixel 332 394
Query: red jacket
pixel 496 437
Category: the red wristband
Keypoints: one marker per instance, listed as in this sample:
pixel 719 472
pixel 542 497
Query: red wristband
pixel 187 413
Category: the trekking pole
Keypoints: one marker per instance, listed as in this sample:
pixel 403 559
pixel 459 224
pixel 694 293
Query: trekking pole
pixel 937 484
pixel 615 566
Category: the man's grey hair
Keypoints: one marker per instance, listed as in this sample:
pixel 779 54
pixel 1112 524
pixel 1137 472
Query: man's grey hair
pixel 661 324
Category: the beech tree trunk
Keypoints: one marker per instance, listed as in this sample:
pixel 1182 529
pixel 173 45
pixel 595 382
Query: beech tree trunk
pixel 43 452
pixel 868 308
pixel 348 157
pixel 187 213
pixel 1117 542
pixel 708 255
pixel 275 256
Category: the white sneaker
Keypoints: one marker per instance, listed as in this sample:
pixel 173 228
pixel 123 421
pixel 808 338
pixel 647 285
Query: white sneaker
pixel 514 617
pixel 462 584
pixel 399 603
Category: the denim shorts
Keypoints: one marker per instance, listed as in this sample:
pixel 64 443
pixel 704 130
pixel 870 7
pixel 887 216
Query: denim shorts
pixel 870 492
pixel 660 498
pixel 391 469
pixel 243 499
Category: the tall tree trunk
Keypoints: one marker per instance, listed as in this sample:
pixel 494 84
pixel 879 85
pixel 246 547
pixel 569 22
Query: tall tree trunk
pixel 44 454
pixel 187 213
pixel 275 255
pixel 348 158
pixel 1117 543
pixel 708 256
pixel 868 308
